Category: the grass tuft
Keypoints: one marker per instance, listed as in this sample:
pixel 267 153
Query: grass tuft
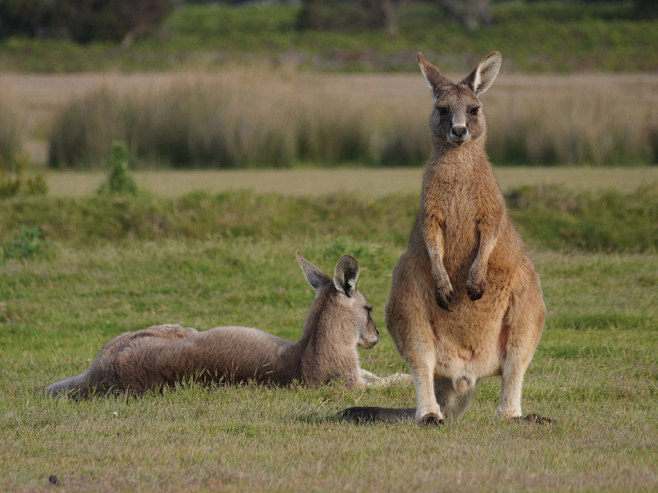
pixel 18 178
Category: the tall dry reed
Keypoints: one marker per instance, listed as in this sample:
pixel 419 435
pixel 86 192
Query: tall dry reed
pixel 253 118
pixel 574 120
pixel 11 126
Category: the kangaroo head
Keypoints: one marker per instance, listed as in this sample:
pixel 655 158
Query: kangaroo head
pixel 457 116
pixel 343 303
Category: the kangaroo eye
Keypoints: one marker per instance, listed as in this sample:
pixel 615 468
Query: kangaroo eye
pixel 443 111
pixel 368 309
pixel 474 111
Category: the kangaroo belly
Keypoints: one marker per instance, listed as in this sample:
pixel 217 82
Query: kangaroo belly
pixel 467 338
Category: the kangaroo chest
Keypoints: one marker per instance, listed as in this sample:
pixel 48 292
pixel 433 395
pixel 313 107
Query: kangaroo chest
pixel 456 207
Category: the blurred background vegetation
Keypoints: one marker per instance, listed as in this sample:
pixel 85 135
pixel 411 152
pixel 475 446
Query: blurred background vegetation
pixel 563 36
pixel 318 82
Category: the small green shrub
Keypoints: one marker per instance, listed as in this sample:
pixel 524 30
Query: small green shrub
pixel 17 178
pixel 118 181
pixel 27 244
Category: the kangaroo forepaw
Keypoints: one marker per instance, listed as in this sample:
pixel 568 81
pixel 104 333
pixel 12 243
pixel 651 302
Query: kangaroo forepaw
pixel 474 290
pixel 445 297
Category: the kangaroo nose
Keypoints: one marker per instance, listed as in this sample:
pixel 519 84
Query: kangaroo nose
pixel 460 131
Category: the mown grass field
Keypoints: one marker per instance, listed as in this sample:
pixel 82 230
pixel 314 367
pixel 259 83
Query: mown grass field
pixel 363 181
pixel 104 265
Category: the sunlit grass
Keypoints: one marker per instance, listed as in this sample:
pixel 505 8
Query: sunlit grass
pixel 367 182
pixel 597 381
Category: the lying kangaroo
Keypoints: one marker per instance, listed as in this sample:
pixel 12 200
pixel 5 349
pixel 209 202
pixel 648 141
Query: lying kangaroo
pixel 465 302
pixel 338 321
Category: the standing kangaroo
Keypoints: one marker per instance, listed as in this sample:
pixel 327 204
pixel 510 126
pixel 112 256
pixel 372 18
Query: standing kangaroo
pixel 338 321
pixel 465 302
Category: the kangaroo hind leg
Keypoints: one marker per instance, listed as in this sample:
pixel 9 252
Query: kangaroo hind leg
pixel 522 327
pixel 422 368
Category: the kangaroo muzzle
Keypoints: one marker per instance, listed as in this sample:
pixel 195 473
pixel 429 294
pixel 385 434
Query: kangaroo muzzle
pixel 459 134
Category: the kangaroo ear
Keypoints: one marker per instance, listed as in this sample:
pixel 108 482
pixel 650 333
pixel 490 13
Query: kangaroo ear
pixel 315 277
pixel 433 77
pixel 346 275
pixel 485 73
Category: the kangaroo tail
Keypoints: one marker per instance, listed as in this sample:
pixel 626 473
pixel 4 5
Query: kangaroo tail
pixel 76 385
pixel 377 414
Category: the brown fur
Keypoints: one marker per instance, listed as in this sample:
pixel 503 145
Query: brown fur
pixel 338 321
pixel 465 301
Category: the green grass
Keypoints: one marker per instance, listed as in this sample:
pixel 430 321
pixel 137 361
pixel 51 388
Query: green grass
pixel 110 265
pixel 367 182
pixel 556 217
pixel 598 381
pixel 536 36
pixel 552 217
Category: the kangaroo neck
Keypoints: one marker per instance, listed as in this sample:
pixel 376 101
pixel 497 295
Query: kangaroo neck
pixel 312 346
pixel 458 159
pixel 322 335
pixel 325 350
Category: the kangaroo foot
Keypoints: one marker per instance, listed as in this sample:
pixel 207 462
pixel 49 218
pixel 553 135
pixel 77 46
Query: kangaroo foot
pixel 536 418
pixel 430 419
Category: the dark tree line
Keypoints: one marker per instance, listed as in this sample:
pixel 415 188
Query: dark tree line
pixel 81 20
pixel 381 14
pixel 123 20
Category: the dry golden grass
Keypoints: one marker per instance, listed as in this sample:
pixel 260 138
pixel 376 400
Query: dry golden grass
pixel 592 119
pixel 11 123
pixel 272 118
